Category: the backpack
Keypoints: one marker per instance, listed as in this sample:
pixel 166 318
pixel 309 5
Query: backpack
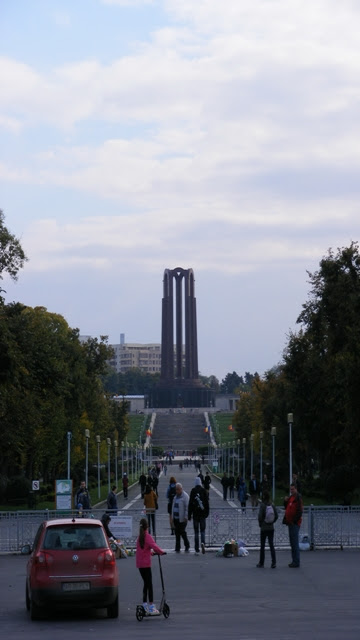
pixel 199 503
pixel 172 494
pixel 269 514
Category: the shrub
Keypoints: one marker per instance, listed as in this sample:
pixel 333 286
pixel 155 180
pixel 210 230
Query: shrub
pixel 18 487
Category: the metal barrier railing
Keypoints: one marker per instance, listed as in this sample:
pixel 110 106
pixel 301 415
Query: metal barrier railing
pixel 325 526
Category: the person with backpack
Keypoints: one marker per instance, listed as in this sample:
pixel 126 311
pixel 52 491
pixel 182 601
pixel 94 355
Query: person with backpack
pixel 170 494
pixel 267 516
pixel 198 510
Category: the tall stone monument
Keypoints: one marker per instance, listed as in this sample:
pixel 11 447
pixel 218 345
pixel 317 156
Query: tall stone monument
pixel 179 385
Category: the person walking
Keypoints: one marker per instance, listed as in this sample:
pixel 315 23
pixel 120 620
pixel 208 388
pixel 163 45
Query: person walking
pixel 207 482
pixel 170 495
pixel 254 491
pixel 125 484
pixel 111 501
pixel 179 517
pixel 82 498
pixel 142 483
pixel 242 493
pixel 150 503
pixel 145 545
pixel 293 516
pixel 267 516
pixel 231 486
pixel 225 484
pixel 198 510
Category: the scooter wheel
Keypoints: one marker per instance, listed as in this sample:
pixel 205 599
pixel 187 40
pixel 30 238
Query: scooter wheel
pixel 140 612
pixel 166 610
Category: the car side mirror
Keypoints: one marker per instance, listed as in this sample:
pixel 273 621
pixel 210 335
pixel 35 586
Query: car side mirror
pixel 26 550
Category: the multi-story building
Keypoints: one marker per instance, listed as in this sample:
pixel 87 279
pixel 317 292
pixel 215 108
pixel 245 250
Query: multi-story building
pixel 146 357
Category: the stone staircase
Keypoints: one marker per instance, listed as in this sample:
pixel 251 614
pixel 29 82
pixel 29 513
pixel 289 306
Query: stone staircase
pixel 181 432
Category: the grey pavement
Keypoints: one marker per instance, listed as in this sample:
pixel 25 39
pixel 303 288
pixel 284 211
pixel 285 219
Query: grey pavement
pixel 209 596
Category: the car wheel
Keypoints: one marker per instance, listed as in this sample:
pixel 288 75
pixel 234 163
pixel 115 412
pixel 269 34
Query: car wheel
pixel 36 612
pixel 113 609
pixel 27 598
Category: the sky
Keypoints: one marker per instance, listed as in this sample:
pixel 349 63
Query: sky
pixel 144 135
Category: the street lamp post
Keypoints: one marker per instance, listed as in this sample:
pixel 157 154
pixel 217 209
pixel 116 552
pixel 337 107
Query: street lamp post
pixel 116 462
pixel 244 445
pixel 273 433
pixel 87 436
pixel 238 456
pixel 251 454
pixel 108 441
pixel 122 458
pixel 261 455
pixel 69 436
pixel 290 419
pixel 98 463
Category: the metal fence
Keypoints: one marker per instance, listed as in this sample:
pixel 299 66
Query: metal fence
pixel 326 527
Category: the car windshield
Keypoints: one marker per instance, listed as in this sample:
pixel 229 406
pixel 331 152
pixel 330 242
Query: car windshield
pixel 74 537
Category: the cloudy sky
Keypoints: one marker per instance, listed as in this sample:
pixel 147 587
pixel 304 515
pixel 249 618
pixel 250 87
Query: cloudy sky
pixel 140 135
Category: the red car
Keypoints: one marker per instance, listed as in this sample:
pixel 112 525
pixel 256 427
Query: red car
pixel 71 565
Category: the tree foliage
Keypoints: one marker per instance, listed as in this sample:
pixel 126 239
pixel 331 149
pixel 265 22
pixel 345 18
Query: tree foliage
pixel 12 256
pixel 49 385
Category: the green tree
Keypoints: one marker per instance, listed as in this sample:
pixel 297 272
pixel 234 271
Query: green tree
pixel 322 362
pixel 12 256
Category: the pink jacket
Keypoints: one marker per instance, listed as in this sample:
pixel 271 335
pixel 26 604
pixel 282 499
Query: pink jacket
pixel 143 556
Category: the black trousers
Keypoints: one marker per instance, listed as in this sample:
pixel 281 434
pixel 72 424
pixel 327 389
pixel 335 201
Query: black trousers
pixel 270 536
pixel 148 587
pixel 180 532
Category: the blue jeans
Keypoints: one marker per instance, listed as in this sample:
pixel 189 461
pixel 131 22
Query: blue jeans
pixel 294 543
pixel 199 523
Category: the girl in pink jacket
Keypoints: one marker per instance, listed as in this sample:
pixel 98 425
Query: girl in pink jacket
pixel 145 545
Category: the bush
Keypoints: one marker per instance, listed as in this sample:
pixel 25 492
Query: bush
pixel 18 487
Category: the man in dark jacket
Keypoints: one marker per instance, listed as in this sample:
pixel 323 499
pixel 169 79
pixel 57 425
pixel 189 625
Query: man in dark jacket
pixel 82 497
pixel 198 511
pixel 112 500
pixel 267 516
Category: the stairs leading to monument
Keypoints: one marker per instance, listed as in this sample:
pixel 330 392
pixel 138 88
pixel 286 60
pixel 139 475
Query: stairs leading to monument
pixel 181 432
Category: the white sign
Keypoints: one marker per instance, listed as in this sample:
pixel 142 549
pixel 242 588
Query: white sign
pixel 35 485
pixel 121 526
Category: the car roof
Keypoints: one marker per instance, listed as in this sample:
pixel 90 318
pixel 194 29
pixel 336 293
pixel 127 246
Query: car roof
pixel 72 521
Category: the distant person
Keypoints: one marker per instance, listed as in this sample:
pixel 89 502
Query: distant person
pixel 111 501
pixel 150 503
pixel 267 517
pixel 145 545
pixel 198 510
pixel 125 484
pixel 265 485
pixel 179 517
pixel 293 516
pixel 207 482
pixel 142 483
pixel 254 490
pixel 82 498
pixel 242 493
pixel 225 485
pixel 170 495
pixel 231 482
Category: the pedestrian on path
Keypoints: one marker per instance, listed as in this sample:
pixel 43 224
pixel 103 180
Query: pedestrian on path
pixel 225 485
pixel 170 495
pixel 179 517
pixel 293 516
pixel 150 503
pixel 125 484
pixel 267 516
pixel 145 545
pixel 198 511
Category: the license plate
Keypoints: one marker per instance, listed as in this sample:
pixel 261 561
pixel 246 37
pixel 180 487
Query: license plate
pixel 76 586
